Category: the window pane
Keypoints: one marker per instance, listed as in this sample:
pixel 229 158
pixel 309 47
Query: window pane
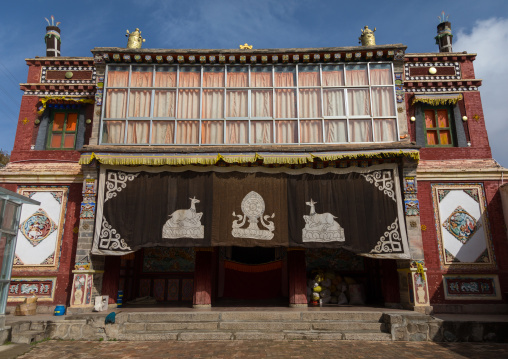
pixel 213 104
pixel 261 132
pixel 430 119
pixel 333 75
pixel 118 76
pixel 261 76
pixel 382 101
pixel 187 132
pixel 356 75
pixel 164 104
pixel 285 103
pixel 58 121
pixel 237 131
pixel 310 103
pixel 3 243
pixel 238 76
pixel 442 118
pixel 139 103
pixel 358 102
pixel 432 137
pixel 381 74
pixel 285 76
pixel 141 76
pixel 360 131
pixel 163 132
pixel 72 120
pixel 138 131
pixel 190 76
pixel 333 102
pixel 69 140
pixel 213 77
pixel 262 103
pixel 113 131
pixel 445 137
pixel 212 132
pixel 308 76
pixel 165 76
pixel 188 104
pixel 237 103
pixel 116 104
pixel 311 131
pixel 7 242
pixel 56 140
pixel 9 216
pixel 335 131
pixel 385 130
pixel 286 131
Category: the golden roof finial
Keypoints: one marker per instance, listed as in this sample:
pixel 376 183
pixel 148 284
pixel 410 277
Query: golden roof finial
pixel 135 40
pixel 367 37
pixel 245 47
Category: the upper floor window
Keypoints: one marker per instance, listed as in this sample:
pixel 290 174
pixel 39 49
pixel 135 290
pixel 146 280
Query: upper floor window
pixel 62 130
pixel 438 127
pixel 249 104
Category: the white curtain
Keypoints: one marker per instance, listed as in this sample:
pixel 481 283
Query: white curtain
pixel 238 77
pixel 333 102
pixel 360 131
pixel 116 104
pixel 385 130
pixel 163 132
pixel 113 132
pixel 188 103
pixel 311 131
pixel 213 104
pixel 262 103
pixel 356 75
pixel 261 77
pixel 212 132
pixel 261 131
pixel 139 103
pixel 165 77
pixel 286 131
pixel 141 77
pixel 285 103
pixel 137 132
pixel 237 132
pixel 237 103
pixel 213 77
pixel 164 104
pixel 310 103
pixel 380 75
pixel 187 132
pixel 118 77
pixel 333 75
pixel 358 102
pixel 335 131
pixel 383 103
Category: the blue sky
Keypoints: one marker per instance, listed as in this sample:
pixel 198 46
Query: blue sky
pixel 478 26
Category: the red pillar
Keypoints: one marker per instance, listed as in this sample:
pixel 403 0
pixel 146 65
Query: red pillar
pixel 203 278
pixel 297 276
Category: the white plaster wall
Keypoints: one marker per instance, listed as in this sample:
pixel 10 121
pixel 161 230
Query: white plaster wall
pixel 474 247
pixel 29 254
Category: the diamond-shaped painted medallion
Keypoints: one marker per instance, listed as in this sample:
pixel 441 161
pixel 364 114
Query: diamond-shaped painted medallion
pixel 37 227
pixel 461 224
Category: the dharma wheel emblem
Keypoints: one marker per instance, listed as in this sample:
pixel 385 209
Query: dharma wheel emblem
pixel 253 207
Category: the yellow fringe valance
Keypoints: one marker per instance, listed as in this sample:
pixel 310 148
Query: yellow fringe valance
pixel 161 159
pixel 437 100
pixel 45 100
pixel 252 268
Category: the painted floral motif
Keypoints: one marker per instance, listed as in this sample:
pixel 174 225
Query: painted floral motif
pixel 57 196
pixel 450 258
pixel 383 182
pixel 461 224
pixel 473 193
pixel 37 227
pixel 442 193
pixel 49 260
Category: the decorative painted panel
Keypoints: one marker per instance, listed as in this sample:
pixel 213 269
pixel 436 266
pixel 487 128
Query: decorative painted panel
pixel 187 289
pixel 41 227
pixel 144 287
pixel 42 287
pixel 333 259
pixel 81 295
pixel 472 287
pixel 462 225
pixel 158 289
pixel 173 289
pixel 162 259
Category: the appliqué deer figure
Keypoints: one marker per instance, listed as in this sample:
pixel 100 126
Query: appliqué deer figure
pixel 314 219
pixel 187 215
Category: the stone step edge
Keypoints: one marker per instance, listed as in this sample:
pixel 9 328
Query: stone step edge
pixel 162 332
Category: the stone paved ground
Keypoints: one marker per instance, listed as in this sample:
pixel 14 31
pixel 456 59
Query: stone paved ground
pixel 265 349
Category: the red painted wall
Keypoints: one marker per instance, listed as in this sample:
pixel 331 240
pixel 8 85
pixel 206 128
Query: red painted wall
pixel 63 273
pixel 430 242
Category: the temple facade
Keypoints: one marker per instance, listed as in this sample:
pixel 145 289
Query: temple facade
pixel 314 176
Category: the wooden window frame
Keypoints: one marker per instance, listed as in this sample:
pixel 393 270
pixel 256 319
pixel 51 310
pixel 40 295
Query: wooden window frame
pixel 450 128
pixel 63 132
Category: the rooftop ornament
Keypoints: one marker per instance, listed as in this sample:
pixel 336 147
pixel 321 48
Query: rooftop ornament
pixel 135 40
pixel 245 47
pixel 367 37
